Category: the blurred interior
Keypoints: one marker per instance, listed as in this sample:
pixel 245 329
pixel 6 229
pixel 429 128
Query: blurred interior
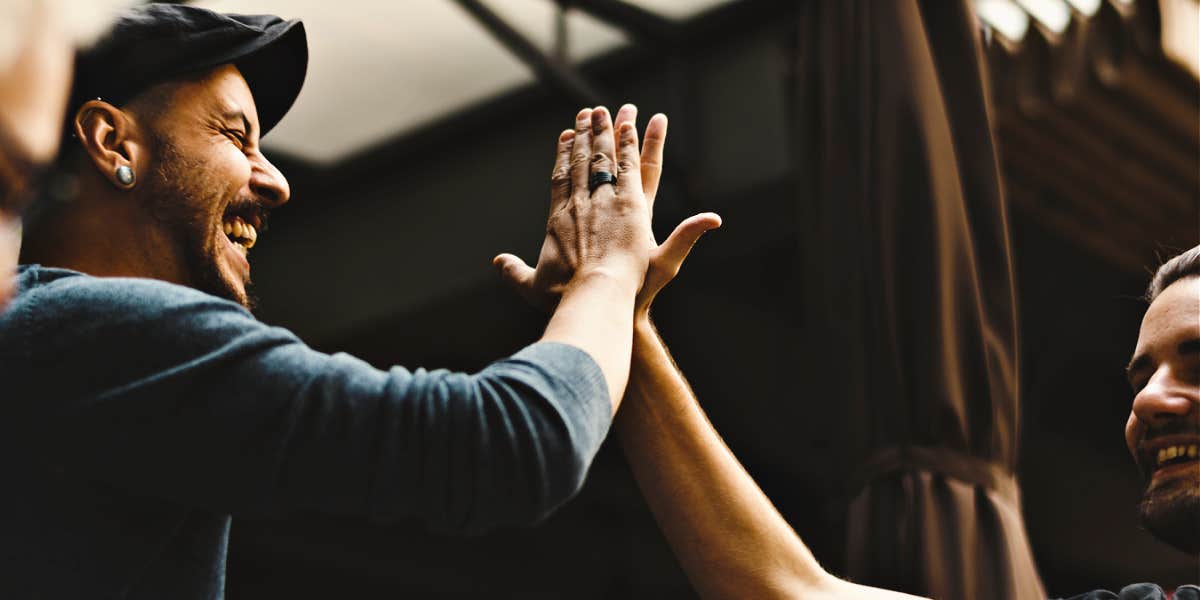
pixel 421 147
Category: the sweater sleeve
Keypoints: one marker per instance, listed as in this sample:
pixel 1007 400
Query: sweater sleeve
pixel 183 396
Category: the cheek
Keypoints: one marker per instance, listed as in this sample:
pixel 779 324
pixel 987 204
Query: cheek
pixel 1133 431
pixel 227 173
pixel 238 170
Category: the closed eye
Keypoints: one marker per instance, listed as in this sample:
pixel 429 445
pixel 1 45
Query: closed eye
pixel 237 136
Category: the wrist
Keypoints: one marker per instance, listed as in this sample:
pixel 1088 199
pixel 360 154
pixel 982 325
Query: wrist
pixel 605 276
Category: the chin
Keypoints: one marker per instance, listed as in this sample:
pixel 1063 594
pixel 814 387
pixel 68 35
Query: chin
pixel 212 274
pixel 1171 511
pixel 232 288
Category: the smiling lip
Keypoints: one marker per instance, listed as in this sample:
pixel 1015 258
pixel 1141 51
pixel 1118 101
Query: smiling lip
pixel 237 258
pixel 1149 451
pixel 1176 470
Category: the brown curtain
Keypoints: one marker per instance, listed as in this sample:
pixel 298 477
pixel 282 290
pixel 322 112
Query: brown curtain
pixel 909 302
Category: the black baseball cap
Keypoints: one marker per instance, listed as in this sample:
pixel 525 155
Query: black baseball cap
pixel 155 43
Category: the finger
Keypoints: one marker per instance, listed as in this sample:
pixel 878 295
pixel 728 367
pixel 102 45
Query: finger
pixel 603 147
pixel 515 273
pixel 627 114
pixel 581 154
pixel 629 178
pixel 679 244
pixel 654 140
pixel 560 177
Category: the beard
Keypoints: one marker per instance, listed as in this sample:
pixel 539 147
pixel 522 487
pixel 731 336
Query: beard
pixel 183 196
pixel 1171 511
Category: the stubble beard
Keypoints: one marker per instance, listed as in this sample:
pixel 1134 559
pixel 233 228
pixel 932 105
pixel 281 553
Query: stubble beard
pixel 1171 511
pixel 178 198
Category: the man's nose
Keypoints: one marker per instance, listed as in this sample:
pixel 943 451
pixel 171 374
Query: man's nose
pixel 269 184
pixel 1163 399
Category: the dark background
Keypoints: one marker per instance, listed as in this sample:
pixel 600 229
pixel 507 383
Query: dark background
pixel 387 256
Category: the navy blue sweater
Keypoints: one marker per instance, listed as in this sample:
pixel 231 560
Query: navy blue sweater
pixel 137 416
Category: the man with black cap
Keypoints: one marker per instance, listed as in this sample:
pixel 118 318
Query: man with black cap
pixel 148 405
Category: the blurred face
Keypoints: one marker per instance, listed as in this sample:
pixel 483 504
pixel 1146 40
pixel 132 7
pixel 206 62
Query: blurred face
pixel 211 188
pixel 1163 431
pixel 33 96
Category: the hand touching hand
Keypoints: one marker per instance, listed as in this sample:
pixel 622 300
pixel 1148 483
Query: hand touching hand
pixel 543 286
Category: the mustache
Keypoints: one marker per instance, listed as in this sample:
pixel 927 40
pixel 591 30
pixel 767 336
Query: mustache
pixel 250 210
pixel 1173 427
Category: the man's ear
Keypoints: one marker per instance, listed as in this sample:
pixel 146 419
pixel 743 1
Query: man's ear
pixel 111 140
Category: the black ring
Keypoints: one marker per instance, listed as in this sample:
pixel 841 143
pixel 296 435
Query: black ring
pixel 600 178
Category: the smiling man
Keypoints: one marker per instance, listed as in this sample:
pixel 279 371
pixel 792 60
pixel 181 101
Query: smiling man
pixel 1163 432
pixel 144 404
pixel 188 148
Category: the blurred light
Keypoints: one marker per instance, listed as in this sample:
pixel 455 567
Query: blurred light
pixel 1087 7
pixel 1052 14
pixel 678 10
pixel 1181 33
pixel 1004 17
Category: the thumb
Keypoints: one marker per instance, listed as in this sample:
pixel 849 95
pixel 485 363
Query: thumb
pixel 676 248
pixel 514 271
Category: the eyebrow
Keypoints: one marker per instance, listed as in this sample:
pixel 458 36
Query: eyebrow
pixel 1141 361
pixel 1138 363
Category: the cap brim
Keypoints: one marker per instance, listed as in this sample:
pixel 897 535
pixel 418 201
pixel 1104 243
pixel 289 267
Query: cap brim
pixel 274 67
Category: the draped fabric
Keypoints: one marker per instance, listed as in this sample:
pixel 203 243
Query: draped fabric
pixel 908 299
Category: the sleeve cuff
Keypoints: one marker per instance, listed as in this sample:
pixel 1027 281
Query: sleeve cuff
pixel 580 375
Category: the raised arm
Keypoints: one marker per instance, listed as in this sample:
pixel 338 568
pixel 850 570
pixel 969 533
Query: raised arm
pixel 728 536
pixel 726 533
pixel 596 248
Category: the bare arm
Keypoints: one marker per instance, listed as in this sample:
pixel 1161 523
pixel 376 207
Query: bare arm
pixel 729 538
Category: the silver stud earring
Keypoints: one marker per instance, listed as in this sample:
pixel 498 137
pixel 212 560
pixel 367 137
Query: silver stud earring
pixel 125 175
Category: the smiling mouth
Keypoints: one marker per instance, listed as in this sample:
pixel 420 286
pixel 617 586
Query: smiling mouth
pixel 1173 455
pixel 240 232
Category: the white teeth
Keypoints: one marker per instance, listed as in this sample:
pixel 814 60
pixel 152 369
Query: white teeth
pixel 1173 452
pixel 240 232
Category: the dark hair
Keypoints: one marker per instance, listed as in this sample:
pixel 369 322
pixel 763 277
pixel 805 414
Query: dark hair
pixel 1185 264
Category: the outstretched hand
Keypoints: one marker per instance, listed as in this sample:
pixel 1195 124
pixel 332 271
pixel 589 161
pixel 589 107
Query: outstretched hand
pixel 543 286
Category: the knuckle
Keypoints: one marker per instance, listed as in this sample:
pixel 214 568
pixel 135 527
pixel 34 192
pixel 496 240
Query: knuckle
pixel 625 165
pixel 599 158
pixel 579 159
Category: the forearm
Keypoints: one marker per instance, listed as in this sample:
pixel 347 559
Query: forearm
pixel 596 316
pixel 726 533
pixel 729 538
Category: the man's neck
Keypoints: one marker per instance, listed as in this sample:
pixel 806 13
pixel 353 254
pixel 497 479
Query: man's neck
pixel 104 239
